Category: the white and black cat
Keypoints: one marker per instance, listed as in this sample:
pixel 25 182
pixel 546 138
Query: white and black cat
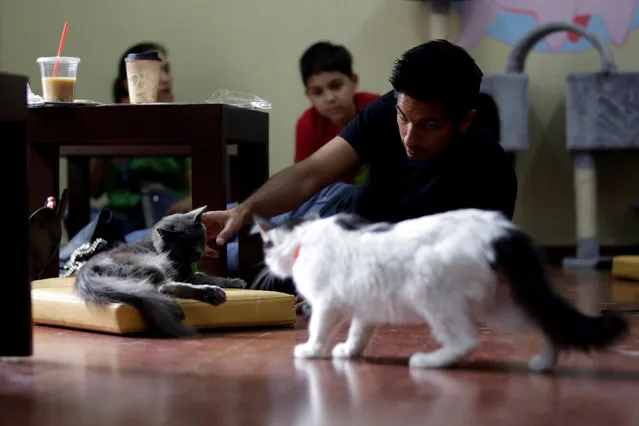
pixel 441 269
pixel 151 273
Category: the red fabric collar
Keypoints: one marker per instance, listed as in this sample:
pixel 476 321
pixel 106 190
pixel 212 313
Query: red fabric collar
pixel 296 254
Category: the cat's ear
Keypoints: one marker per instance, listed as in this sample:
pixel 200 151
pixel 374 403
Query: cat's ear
pixel 261 225
pixel 197 214
pixel 165 234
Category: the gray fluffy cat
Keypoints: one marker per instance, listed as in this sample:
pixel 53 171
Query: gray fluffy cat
pixel 151 273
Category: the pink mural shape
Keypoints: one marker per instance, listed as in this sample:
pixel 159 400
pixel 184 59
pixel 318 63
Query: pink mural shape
pixel 477 17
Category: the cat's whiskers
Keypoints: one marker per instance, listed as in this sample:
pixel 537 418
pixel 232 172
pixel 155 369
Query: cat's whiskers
pixel 264 274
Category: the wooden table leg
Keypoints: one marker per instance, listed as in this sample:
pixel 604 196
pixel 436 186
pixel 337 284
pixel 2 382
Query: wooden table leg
pixel 16 337
pixel 208 172
pixel 44 175
pixel 79 193
pixel 253 170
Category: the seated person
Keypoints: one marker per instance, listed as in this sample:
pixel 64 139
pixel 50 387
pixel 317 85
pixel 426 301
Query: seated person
pixel 122 179
pixel 331 87
pixel 425 152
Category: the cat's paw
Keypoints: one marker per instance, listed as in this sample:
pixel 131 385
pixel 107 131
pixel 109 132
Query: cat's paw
pixel 344 350
pixel 236 283
pixel 542 364
pixel 431 360
pixel 307 350
pixel 214 295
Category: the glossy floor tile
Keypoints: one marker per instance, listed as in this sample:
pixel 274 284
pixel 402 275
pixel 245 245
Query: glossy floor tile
pixel 250 378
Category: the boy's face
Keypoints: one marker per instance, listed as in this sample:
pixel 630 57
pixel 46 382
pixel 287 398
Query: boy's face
pixel 332 94
pixel 425 128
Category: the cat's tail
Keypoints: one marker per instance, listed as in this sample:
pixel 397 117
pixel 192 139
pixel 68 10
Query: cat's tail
pixel 518 258
pixel 159 311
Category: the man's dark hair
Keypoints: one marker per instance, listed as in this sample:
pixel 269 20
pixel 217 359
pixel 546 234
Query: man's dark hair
pixel 440 72
pixel 325 56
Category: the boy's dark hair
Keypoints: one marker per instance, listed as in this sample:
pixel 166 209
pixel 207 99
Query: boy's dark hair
pixel 325 56
pixel 439 71
pixel 119 90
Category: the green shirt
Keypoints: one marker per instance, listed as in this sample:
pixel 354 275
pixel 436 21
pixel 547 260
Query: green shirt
pixel 124 179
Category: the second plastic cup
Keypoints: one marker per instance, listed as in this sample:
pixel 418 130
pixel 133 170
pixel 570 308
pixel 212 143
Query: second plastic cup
pixel 60 88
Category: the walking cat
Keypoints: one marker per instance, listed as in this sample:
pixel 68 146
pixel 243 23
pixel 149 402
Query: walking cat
pixel 441 269
pixel 151 273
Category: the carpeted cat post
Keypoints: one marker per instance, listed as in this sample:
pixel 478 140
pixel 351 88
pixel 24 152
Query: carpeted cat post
pixel 438 24
pixel 601 115
pixel 509 91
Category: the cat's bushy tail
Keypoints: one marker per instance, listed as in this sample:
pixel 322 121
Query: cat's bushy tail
pixel 158 310
pixel 518 257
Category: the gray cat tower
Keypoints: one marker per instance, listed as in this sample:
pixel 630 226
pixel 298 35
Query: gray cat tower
pixel 602 113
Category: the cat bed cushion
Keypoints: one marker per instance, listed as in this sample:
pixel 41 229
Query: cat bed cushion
pixel 625 267
pixel 54 303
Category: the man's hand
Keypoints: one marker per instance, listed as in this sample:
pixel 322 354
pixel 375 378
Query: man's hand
pixel 222 224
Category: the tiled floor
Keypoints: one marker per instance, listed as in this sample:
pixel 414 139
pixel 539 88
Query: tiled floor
pixel 251 378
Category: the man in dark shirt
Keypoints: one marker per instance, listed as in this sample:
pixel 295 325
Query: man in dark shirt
pixel 425 154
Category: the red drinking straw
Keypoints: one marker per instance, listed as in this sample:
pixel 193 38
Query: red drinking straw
pixel 64 34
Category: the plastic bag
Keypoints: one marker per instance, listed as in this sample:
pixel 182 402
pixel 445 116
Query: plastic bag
pixel 32 98
pixel 240 99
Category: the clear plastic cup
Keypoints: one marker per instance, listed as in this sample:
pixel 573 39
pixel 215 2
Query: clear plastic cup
pixel 60 88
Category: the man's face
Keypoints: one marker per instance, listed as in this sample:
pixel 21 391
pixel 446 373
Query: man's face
pixel 332 94
pixel 425 128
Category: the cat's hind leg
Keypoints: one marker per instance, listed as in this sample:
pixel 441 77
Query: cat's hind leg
pixel 321 327
pixel 211 294
pixel 454 329
pixel 359 334
pixel 509 318
pixel 202 279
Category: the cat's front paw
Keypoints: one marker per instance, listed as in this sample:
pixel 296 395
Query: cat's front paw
pixel 308 350
pixel 236 283
pixel 344 350
pixel 214 296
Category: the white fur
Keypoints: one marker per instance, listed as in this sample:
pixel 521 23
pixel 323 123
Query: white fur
pixel 434 269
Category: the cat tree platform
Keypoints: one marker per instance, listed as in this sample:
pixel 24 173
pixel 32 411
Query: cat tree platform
pixel 54 303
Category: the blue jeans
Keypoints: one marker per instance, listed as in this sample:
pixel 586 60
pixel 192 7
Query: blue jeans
pixel 313 204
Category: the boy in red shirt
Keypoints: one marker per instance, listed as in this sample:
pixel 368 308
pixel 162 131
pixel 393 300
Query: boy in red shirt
pixel 331 87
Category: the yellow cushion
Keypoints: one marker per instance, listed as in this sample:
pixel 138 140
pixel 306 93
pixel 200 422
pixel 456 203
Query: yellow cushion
pixel 55 303
pixel 625 267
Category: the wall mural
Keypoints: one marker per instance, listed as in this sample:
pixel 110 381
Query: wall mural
pixel 509 20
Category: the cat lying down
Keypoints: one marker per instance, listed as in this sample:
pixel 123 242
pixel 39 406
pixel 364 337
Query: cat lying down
pixel 441 269
pixel 151 273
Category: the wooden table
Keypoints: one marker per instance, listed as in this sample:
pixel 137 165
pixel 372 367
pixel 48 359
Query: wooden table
pixel 206 132
pixel 15 302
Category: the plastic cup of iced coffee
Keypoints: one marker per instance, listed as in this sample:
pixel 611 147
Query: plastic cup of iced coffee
pixel 61 86
pixel 143 76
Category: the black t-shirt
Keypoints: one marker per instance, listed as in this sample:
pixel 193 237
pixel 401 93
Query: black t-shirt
pixel 472 172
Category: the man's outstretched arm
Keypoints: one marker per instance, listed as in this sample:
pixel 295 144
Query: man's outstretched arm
pixel 287 189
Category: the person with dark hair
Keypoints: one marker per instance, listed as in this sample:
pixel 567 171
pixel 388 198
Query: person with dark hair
pixel 488 115
pixel 426 155
pixel 331 87
pixel 165 89
pixel 121 178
